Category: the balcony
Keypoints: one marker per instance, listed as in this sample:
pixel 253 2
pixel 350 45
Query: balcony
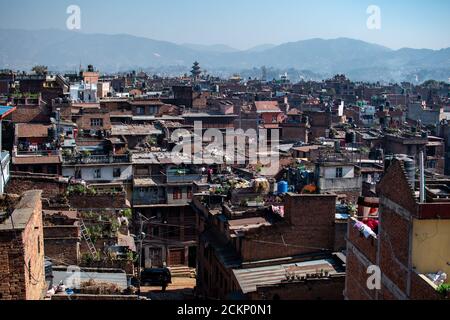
pixel 187 178
pixel 146 200
pixel 35 153
pixel 95 159
pixel 181 176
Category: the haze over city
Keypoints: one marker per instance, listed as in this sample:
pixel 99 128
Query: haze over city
pixel 244 24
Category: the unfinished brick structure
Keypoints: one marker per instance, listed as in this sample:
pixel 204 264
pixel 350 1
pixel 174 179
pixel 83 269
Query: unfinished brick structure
pixel 307 231
pixel 237 254
pixel 412 241
pixel 62 236
pixel 22 251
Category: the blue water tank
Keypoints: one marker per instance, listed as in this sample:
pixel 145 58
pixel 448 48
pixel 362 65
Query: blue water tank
pixel 283 187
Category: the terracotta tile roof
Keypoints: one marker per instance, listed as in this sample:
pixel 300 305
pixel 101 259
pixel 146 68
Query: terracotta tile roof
pixel 267 106
pixel 294 112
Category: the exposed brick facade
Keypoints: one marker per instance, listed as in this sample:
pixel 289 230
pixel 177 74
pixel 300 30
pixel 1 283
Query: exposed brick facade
pixel 101 201
pixel 392 251
pixel 51 186
pixel 311 221
pixel 22 251
pixel 62 244
pixel 312 289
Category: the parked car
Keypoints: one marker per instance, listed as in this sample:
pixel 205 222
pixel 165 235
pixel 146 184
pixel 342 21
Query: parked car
pixel 156 277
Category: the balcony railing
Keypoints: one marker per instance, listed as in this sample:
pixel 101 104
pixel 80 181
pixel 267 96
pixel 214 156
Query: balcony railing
pixel 142 201
pixel 96 159
pixel 162 178
pixel 185 178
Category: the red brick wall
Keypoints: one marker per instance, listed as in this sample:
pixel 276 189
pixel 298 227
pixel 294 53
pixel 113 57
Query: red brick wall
pixel 367 246
pixel 356 279
pixel 294 133
pixel 50 186
pixel 22 255
pixel 421 290
pixel 323 289
pixel 101 201
pixel 84 122
pixel 31 113
pixel 61 232
pixel 63 251
pixel 340 234
pixel 394 247
pixel 309 228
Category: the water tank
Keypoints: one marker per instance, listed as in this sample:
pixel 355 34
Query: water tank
pixel 350 137
pixel 283 187
pixel 273 186
pixel 388 161
pixel 408 163
pixel 410 168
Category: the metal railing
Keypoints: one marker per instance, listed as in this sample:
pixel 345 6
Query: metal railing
pixel 96 159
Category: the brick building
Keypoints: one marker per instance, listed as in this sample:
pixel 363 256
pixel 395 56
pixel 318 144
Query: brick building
pixel 410 241
pixel 22 250
pixel 295 128
pixel 62 236
pixel 243 252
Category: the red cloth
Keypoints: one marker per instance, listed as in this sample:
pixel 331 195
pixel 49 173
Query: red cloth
pixel 372 224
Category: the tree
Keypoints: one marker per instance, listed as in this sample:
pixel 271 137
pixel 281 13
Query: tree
pixel 40 70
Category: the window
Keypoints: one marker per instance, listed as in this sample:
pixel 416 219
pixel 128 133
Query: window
pixel 117 172
pixel 96 122
pixel 189 192
pixel 77 173
pixel 339 173
pixel 153 110
pixel 173 232
pixel 140 110
pixel 39 244
pixel 177 194
pixel 274 119
pixel 97 173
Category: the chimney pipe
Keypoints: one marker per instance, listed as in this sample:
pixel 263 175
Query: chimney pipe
pixel 422 177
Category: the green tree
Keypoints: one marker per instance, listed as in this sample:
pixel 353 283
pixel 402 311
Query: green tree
pixel 40 70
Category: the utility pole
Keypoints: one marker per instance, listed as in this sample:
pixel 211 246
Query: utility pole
pixel 142 237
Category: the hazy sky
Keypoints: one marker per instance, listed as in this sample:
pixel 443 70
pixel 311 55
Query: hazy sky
pixel 243 23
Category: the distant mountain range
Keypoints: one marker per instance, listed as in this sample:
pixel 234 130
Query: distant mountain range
pixel 359 60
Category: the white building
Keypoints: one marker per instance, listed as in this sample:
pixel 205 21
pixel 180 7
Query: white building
pixel 83 92
pixel 4 155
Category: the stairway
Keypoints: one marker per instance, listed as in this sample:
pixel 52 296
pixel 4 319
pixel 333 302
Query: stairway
pixel 87 238
pixel 182 272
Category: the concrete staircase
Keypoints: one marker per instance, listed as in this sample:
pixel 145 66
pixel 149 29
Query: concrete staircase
pixel 182 272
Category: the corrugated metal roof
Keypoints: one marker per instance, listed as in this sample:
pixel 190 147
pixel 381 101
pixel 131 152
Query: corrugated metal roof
pixel 144 182
pixel 5 111
pixel 119 279
pixel 249 279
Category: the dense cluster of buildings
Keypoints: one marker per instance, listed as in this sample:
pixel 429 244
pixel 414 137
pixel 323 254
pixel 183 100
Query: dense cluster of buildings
pixel 90 181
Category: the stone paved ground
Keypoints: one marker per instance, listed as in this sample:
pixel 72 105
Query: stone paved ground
pixel 180 289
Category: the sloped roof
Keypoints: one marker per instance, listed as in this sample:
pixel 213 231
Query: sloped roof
pixel 5 111
pixel 267 106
